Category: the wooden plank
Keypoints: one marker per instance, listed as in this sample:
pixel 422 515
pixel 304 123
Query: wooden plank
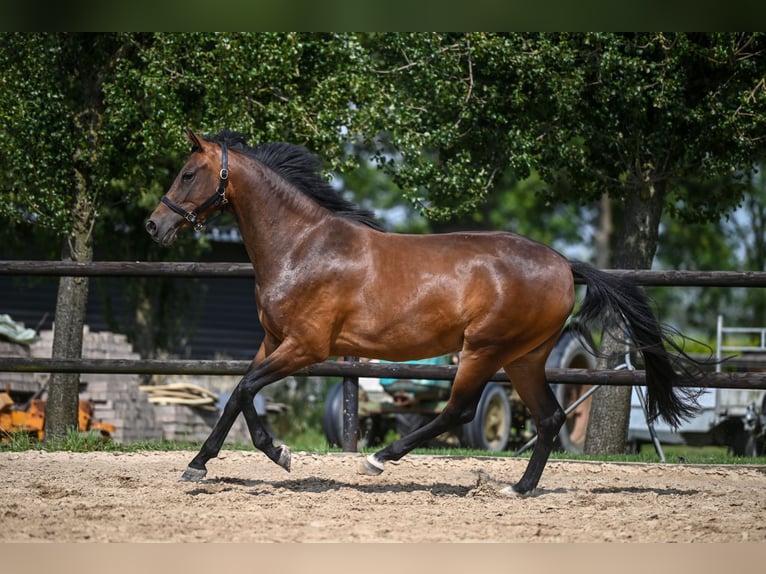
pixel 646 277
pixel 737 380
pixel 672 278
pixel 126 268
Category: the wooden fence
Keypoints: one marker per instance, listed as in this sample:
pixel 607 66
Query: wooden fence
pixel 349 370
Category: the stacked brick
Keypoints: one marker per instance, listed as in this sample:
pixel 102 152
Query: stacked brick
pixel 183 423
pixel 116 398
pixel 27 383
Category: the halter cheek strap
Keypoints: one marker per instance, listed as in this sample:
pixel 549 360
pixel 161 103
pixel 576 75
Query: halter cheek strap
pixel 217 199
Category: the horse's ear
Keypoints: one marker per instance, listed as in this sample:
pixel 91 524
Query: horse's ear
pixel 193 139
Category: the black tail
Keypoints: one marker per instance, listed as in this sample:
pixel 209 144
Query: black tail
pixel 609 293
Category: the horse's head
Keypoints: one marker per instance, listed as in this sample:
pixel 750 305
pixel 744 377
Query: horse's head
pixel 198 190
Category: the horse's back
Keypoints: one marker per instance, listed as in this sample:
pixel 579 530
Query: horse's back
pixel 507 258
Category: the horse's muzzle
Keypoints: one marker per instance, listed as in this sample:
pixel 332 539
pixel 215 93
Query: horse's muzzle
pixel 155 232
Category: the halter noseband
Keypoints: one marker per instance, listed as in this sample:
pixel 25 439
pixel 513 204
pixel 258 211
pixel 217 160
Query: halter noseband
pixel 218 198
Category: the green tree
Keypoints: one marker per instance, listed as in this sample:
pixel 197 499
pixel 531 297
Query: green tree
pixel 748 230
pixel 50 140
pixel 67 173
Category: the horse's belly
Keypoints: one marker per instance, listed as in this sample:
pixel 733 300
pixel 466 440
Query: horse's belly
pixel 409 339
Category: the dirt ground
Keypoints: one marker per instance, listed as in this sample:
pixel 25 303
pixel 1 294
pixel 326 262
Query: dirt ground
pixel 132 497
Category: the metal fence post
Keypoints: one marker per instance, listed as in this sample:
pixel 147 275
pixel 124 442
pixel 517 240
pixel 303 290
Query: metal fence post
pixel 350 410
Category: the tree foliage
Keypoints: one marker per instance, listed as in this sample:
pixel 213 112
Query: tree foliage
pixel 448 115
pixel 597 113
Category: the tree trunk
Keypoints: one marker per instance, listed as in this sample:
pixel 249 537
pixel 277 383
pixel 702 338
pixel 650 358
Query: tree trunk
pixel 610 408
pixel 603 236
pixel 63 388
pixel 636 246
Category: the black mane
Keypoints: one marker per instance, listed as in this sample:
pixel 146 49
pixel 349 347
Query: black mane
pixel 301 169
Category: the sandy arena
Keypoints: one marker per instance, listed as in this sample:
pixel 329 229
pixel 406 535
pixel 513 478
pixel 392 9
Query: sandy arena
pixel 121 497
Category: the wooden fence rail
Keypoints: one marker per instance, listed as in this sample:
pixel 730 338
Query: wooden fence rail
pixel 354 369
pixel 125 268
pixel 349 370
pixel 195 269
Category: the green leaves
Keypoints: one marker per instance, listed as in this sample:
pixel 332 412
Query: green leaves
pixel 446 115
pixel 610 112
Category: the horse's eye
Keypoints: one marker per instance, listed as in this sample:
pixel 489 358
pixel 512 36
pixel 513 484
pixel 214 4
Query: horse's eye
pixel 188 176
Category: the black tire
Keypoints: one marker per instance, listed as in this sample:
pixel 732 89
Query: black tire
pixel 490 427
pixel 332 415
pixel 571 353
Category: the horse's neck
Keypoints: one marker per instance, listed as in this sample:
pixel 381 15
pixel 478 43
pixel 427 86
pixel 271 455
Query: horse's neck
pixel 271 220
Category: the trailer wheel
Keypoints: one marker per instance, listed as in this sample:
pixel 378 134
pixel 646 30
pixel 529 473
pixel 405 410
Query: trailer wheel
pixel 490 427
pixel 571 353
pixel 332 415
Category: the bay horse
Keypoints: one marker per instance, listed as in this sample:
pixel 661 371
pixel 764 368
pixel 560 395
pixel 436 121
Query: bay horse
pixel 329 281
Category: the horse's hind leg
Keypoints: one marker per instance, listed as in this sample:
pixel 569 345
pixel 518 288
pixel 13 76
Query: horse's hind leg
pixel 262 372
pixel 528 378
pixel 470 380
pixel 446 420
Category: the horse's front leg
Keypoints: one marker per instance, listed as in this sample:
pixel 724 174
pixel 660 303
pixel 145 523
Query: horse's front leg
pixel 197 469
pixel 284 361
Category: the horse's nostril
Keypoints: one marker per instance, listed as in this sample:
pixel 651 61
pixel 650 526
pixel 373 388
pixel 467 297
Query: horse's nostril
pixel 151 227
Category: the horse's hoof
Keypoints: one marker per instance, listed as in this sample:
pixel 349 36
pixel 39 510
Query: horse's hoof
pixel 285 457
pixel 370 466
pixel 509 491
pixel 192 474
pixel 513 491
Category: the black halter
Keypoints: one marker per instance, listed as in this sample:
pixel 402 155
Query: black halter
pixel 218 198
